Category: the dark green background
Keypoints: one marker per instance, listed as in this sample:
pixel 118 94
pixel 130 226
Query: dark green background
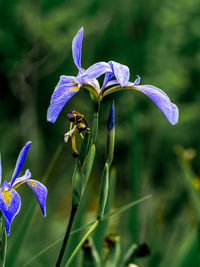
pixel 157 39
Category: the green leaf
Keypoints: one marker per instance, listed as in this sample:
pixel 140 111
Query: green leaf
pixel 85 148
pixel 103 191
pixel 105 217
pixel 1 224
pixel 102 228
pixel 81 176
pixel 129 255
pixel 87 166
pixel 95 122
pixel 193 193
pixel 124 208
pixel 114 252
pixel 90 257
pixel 3 248
pixel 77 184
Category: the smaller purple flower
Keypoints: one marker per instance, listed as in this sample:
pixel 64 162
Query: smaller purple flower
pixel 10 201
pixel 111 120
pixel 121 73
pixel 68 86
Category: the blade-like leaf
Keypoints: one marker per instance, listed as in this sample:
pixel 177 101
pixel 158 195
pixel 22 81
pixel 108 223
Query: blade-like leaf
pixel 103 192
pixel 114 253
pixel 88 163
pixel 124 208
pixel 3 248
pixel 106 216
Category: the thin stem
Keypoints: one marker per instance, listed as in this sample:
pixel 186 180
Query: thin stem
pixel 66 238
pixel 80 244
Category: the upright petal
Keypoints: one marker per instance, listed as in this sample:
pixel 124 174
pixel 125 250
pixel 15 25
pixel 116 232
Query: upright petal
pixel 41 193
pixel 0 169
pixel 108 76
pixel 76 48
pixel 20 161
pixel 169 109
pixel 121 72
pixel 96 70
pixel 10 204
pixel 137 80
pixel 60 97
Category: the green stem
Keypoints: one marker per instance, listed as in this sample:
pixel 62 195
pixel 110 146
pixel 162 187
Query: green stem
pixel 80 244
pixel 66 238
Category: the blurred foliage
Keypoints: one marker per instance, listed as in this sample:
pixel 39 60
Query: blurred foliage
pixel 157 39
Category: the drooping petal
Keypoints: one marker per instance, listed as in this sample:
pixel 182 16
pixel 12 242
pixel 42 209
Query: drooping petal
pixel 62 87
pixel 95 71
pixel 76 48
pixel 169 109
pixel 65 80
pixel 38 188
pixel 61 95
pixel 0 169
pixel 41 193
pixel 20 162
pixel 10 204
pixel 121 72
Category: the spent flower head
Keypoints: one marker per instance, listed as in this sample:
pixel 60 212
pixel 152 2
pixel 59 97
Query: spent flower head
pixel 77 124
pixel 10 201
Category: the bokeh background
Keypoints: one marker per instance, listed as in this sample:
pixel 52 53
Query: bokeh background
pixel 160 41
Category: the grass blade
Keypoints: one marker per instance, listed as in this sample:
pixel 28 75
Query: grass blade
pixel 106 216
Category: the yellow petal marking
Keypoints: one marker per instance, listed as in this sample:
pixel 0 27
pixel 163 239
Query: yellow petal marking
pixel 33 184
pixel 19 184
pixel 75 88
pixel 7 196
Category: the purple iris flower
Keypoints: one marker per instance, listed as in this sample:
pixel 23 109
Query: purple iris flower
pixel 10 201
pixel 70 85
pixel 121 73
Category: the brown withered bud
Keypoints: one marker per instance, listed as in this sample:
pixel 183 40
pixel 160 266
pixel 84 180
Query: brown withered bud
pixel 110 240
pixel 143 250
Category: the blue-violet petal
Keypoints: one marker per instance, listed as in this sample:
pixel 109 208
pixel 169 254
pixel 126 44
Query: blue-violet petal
pixel 10 204
pixel 169 109
pixel 76 48
pixel 20 161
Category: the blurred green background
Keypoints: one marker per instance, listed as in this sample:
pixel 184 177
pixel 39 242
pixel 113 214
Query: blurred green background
pixel 159 40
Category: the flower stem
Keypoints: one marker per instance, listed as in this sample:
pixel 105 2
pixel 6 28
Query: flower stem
pixel 89 232
pixel 66 238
